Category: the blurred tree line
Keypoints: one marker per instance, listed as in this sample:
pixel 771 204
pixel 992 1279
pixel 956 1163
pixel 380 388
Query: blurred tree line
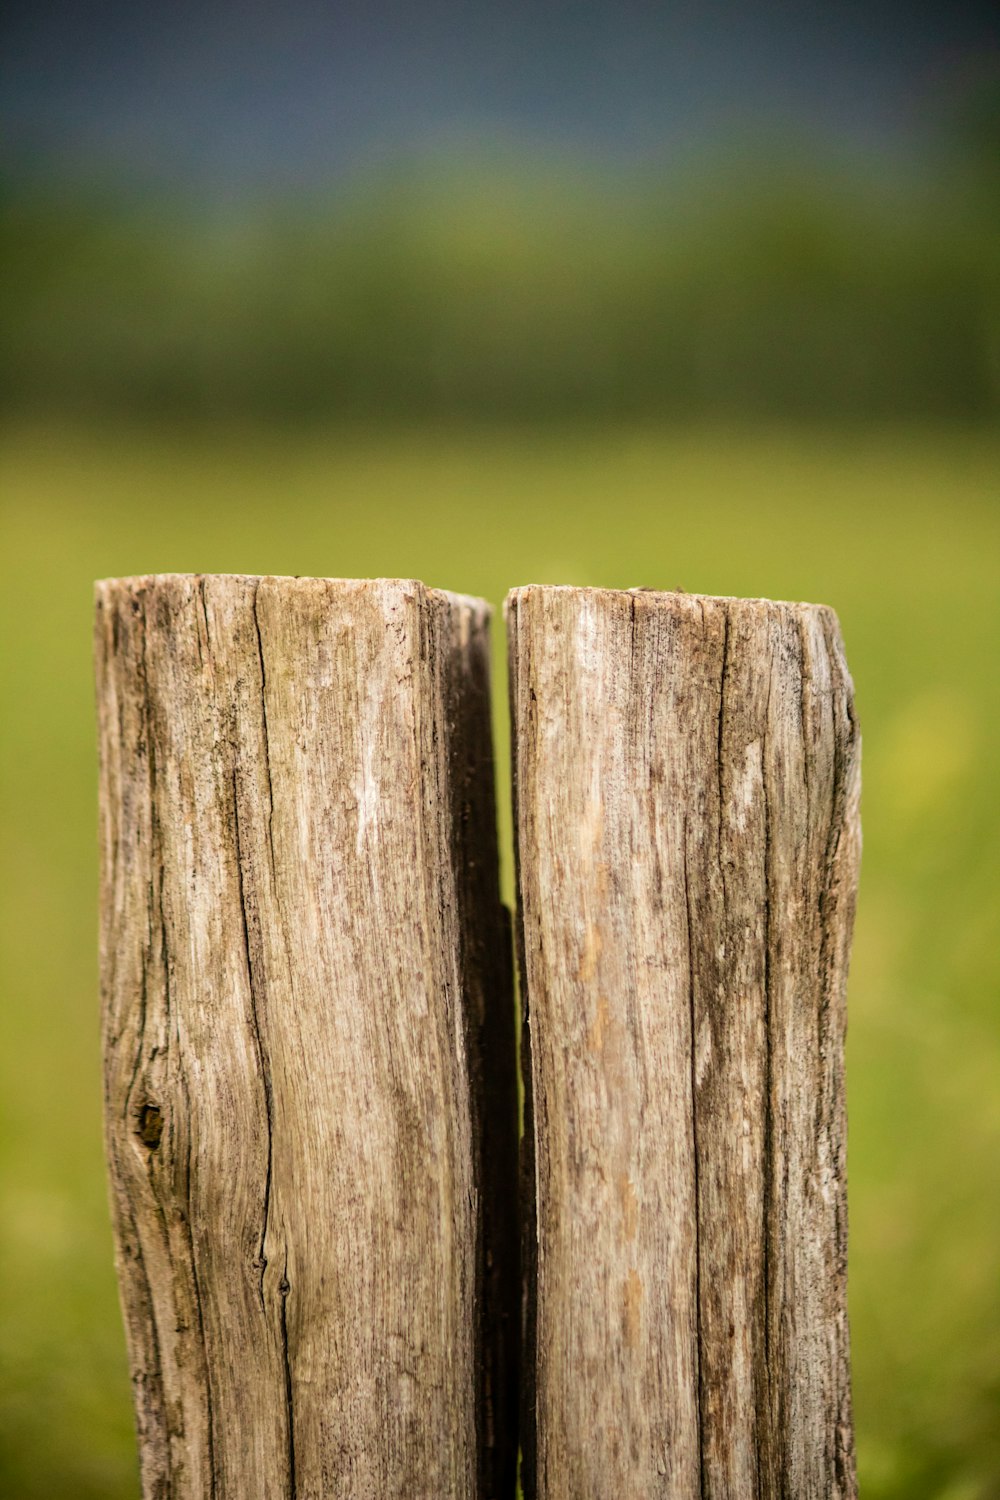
pixel 762 285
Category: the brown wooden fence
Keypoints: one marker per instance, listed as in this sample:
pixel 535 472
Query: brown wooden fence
pixel 309 1041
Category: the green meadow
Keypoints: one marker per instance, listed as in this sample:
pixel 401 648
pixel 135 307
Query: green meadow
pixel 898 528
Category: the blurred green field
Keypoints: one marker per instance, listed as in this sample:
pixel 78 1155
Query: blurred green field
pixel 899 530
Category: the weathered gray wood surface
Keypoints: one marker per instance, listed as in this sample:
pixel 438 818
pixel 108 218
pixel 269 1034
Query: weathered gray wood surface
pixel 687 780
pixel 307 1039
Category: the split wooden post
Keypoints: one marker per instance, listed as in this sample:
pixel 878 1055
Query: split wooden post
pixel 310 1109
pixel 687 780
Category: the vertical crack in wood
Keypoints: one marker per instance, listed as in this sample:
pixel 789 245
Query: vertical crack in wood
pixel 694 1157
pixel 518 684
pixel 140 1045
pixel 284 1288
pixel 487 1016
pixel 267 738
pixel 766 1417
pixel 263 1060
pixel 631 637
pixel 204 616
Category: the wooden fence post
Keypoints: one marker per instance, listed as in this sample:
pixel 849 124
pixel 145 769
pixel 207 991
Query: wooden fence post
pixel 687 780
pixel 310 1109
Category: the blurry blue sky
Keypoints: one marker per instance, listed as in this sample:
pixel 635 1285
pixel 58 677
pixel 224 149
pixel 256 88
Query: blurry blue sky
pixel 235 98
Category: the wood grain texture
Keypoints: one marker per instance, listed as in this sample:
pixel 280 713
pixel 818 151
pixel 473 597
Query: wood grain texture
pixel 688 838
pixel 307 1039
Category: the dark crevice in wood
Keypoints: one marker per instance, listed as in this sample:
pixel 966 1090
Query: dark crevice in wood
pixel 527 1189
pixel 204 616
pixel 141 1039
pixel 263 1060
pixel 487 1008
pixel 267 741
pixel 284 1287
pixel 701 1398
pixel 631 646
pixel 149 1126
pixel 765 1416
pixel 517 682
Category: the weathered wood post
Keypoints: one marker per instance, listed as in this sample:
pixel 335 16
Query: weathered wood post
pixel 310 1103
pixel 687 778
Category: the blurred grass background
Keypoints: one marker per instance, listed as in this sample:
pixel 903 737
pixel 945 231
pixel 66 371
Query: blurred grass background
pixel 772 369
